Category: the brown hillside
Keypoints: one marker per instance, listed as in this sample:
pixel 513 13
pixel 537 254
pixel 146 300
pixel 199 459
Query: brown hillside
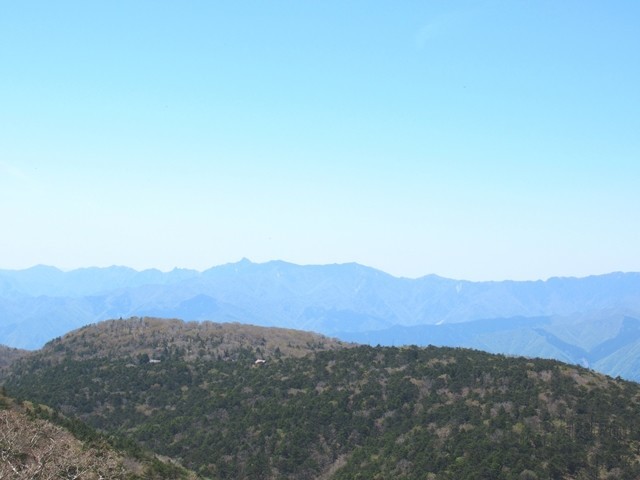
pixel 155 339
pixel 32 447
pixel 8 355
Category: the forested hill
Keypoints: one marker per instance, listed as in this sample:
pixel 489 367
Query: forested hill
pixel 8 355
pixel 360 412
pixel 148 339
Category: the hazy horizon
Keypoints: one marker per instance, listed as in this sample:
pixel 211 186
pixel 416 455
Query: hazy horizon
pixel 476 140
pixel 244 259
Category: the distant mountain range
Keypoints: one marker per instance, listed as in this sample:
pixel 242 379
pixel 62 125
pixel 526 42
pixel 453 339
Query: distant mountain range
pixel 593 321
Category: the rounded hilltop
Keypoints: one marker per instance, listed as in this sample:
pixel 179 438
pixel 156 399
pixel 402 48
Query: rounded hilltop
pixel 157 339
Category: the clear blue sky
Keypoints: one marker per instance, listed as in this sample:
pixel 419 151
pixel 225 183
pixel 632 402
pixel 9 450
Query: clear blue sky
pixel 479 140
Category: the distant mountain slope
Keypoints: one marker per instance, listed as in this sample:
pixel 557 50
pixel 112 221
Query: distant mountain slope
pixel 361 412
pixel 42 302
pixel 43 280
pixel 608 343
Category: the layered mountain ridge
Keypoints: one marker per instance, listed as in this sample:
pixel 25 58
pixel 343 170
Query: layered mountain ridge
pixel 566 317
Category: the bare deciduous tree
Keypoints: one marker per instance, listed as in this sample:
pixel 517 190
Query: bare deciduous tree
pixel 37 450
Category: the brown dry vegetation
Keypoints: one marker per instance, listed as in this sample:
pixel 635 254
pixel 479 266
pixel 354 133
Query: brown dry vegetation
pixel 8 355
pixel 32 448
pixel 158 338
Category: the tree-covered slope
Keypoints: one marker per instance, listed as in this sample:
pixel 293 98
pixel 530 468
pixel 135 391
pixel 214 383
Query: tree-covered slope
pixel 9 354
pixel 362 412
pixel 37 443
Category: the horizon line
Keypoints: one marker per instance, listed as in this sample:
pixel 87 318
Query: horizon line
pixel 247 261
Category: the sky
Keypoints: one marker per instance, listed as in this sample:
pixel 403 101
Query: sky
pixel 477 140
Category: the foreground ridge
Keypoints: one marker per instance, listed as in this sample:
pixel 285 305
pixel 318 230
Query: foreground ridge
pixel 386 412
pixel 38 443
